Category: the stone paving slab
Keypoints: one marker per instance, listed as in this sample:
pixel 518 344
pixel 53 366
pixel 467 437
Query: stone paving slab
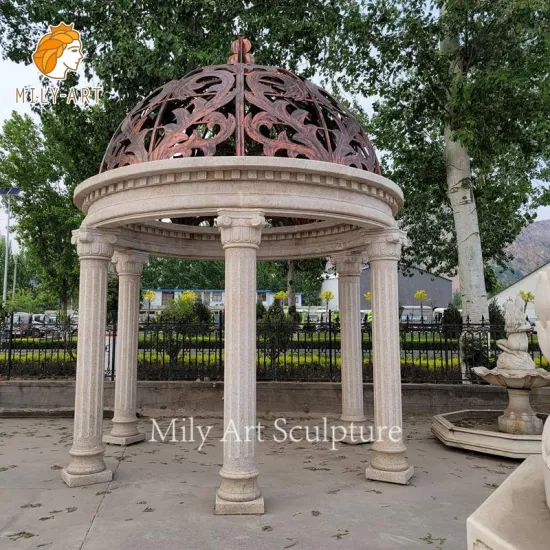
pixel 162 494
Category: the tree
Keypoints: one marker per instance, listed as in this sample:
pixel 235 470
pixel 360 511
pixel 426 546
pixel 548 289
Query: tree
pixel 132 48
pixel 28 273
pixel 496 320
pixel 528 298
pixel 462 111
pixel 326 296
pixel 44 212
pixel 303 275
pixel 422 297
pixel 280 297
pixel 171 273
pixel 181 320
pixel 275 330
pixel 148 297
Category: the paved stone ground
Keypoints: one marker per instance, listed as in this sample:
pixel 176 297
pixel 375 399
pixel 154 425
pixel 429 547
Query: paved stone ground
pixel 162 494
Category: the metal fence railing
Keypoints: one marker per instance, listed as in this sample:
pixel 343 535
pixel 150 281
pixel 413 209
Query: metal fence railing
pixel 285 350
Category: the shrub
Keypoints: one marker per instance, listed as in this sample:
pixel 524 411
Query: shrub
pixel 496 319
pixel 452 321
pixel 276 330
pixel 182 319
pixel 260 310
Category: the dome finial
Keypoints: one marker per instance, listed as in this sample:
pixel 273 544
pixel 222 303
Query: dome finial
pixel 241 48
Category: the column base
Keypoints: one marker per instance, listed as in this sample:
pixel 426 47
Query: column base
pixel 354 430
pixel 402 478
pixel 79 480
pixel 250 507
pixel 123 440
pixel 358 434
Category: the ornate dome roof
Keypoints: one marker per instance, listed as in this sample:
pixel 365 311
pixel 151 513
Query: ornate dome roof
pixel 240 109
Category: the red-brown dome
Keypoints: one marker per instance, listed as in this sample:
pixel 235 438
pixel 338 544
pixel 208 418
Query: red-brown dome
pixel 240 109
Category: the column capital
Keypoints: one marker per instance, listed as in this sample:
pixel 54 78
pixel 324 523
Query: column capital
pixel 94 243
pixel 240 228
pixel 348 264
pixel 386 245
pixel 129 262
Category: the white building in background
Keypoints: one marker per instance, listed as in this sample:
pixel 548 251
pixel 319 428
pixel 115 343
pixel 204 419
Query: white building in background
pixel 214 299
pixel 527 284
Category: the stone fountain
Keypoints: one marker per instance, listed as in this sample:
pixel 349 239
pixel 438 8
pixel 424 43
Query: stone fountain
pixel 516 372
pixel 517 514
pixel 542 308
pixel 519 427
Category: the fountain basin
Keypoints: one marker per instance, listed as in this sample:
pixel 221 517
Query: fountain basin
pixel 454 430
pixel 531 379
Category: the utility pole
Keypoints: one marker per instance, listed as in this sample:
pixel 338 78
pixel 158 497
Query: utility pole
pixel 9 191
pixel 6 260
pixel 14 277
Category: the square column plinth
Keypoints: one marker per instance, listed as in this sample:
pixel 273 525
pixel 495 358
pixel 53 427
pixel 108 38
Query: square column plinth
pixel 123 440
pixel 401 478
pixel 228 508
pixel 80 480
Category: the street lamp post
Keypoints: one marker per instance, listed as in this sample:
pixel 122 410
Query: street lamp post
pixel 9 191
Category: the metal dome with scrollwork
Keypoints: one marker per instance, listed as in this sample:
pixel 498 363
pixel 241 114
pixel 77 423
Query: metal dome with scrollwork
pixel 240 109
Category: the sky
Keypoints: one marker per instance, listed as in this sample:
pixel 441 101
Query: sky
pixel 18 75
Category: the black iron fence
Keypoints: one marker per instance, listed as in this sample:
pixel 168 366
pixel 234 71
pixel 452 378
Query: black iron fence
pixel 285 350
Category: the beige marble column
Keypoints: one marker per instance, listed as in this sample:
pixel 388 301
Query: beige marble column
pixel 388 461
pixel 349 267
pixel 129 265
pixel 240 235
pixel 95 249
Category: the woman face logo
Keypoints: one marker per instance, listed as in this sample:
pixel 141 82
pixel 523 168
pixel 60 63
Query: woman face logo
pixel 58 51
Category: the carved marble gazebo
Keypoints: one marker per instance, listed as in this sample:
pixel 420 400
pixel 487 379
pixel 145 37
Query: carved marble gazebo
pixel 237 162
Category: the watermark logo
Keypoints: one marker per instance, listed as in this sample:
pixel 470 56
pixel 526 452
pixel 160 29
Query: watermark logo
pixel 179 430
pixel 58 51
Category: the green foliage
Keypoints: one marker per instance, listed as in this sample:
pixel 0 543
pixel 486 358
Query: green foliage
pixel 496 319
pixel 496 314
pixel 452 320
pixel 202 312
pixel 30 301
pixel 496 103
pixel 131 48
pixel 112 298
pixel 273 275
pixel 260 310
pixel 170 273
pixel 183 311
pixel 457 299
pixel 184 319
pixel 275 330
pixel 474 350
pixel 44 212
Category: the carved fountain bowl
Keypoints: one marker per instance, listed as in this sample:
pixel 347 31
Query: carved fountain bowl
pixel 515 379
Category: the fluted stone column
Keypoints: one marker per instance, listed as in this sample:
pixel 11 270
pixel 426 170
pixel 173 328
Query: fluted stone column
pixel 129 265
pixel 240 235
pixel 388 462
pixel 349 267
pixel 94 248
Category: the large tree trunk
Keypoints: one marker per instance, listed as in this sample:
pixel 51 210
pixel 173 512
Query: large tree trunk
pixel 291 283
pixel 470 258
pixel 461 195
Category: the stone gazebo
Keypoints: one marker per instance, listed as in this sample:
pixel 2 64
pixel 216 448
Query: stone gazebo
pixel 237 162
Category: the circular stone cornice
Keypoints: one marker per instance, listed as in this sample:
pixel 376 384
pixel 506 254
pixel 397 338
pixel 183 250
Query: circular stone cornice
pixel 223 171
